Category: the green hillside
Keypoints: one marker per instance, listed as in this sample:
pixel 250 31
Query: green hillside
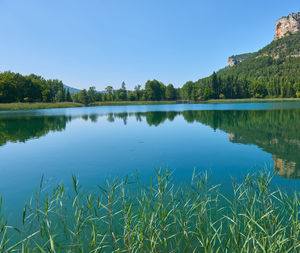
pixel 279 59
pixel 273 71
pixel 241 57
pixel 276 66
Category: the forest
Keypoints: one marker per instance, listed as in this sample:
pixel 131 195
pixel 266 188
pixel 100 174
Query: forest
pixel 272 72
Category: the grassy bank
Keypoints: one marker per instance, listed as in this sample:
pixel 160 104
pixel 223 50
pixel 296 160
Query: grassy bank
pixel 32 106
pixel 249 100
pixel 211 101
pixel 126 216
pixel 132 103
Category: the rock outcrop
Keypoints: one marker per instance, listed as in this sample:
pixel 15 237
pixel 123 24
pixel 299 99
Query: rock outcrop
pixel 287 25
pixel 232 61
pixel 286 169
pixel 235 59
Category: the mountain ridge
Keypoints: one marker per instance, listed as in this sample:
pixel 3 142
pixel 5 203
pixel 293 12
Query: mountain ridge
pixel 71 89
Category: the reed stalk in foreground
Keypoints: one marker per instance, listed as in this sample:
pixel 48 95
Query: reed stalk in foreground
pixel 126 216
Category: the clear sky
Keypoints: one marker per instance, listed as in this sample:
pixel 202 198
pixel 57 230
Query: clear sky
pixel 105 42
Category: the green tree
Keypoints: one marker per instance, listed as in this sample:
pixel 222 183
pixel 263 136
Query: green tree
pixel 68 96
pixel 75 97
pixel 137 92
pixel 60 95
pixel 46 95
pixel 83 97
pixel 215 84
pixel 170 92
pixel 208 93
pixel 91 93
pixel 131 96
pixel 121 94
pixel 8 92
pixel 257 89
pixel 154 90
pixel 123 86
pixel 109 95
pixel 188 91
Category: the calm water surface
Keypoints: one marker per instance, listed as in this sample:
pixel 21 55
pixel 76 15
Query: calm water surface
pixel 96 143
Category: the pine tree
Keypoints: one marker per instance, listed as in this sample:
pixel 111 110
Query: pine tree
pixel 68 98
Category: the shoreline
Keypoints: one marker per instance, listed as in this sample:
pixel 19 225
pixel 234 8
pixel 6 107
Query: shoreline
pixel 37 106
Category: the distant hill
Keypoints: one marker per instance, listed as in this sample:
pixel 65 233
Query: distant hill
pixel 71 89
pixel 273 71
pixel 278 60
pixel 288 46
pixel 74 90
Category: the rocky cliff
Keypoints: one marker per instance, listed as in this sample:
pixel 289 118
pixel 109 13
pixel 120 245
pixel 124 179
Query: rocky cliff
pixel 286 169
pixel 232 61
pixel 287 25
pixel 235 59
pixel 283 46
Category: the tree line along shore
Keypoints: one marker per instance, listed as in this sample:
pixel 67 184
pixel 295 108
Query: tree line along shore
pixel 271 73
pixel 18 92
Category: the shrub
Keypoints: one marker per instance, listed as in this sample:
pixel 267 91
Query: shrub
pixel 222 96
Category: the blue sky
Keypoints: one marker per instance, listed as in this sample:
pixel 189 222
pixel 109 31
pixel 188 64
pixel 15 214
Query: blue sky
pixel 105 42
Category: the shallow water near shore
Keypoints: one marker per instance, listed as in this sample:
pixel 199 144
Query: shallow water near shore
pixel 96 143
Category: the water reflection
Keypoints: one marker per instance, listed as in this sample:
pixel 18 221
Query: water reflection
pixel 23 129
pixel 275 131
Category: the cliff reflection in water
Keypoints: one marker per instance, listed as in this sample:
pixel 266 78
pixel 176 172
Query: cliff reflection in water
pixel 275 131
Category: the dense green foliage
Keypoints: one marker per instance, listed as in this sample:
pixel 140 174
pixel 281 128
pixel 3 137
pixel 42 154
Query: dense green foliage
pixel 153 91
pixel 17 88
pixel 126 216
pixel 273 71
pixel 287 46
pixel 242 57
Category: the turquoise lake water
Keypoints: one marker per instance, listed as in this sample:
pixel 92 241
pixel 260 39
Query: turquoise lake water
pixel 96 143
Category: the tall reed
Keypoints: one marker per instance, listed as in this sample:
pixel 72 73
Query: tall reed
pixel 128 216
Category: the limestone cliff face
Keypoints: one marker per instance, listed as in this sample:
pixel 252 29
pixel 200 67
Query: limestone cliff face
pixel 235 59
pixel 286 169
pixel 232 61
pixel 283 27
pixel 286 25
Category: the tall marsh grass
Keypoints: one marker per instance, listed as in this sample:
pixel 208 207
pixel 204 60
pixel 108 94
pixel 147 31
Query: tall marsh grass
pixel 127 216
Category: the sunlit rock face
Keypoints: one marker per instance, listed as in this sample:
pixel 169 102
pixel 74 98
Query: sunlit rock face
pixel 235 138
pixel 286 25
pixel 232 61
pixel 235 59
pixel 275 132
pixel 231 137
pixel 286 169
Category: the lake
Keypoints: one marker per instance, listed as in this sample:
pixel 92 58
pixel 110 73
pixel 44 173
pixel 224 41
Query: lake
pixel 96 143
